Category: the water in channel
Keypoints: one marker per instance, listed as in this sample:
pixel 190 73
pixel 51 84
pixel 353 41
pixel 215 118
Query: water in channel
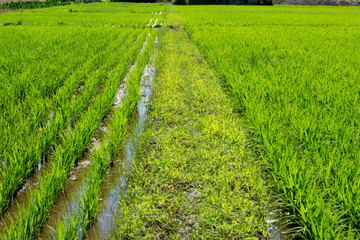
pixel 114 183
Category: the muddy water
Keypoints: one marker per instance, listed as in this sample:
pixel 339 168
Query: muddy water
pixel 273 228
pixel 155 22
pixel 67 196
pixel 114 183
pixel 44 164
pixel 149 22
pixel 157 19
pixel 280 224
pixel 66 203
pixel 23 195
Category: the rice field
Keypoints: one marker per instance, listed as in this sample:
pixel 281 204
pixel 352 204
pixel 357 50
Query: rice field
pixel 293 73
pixel 59 82
pixel 194 122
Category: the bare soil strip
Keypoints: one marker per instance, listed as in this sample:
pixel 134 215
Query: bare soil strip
pixel 318 2
pixel 9 1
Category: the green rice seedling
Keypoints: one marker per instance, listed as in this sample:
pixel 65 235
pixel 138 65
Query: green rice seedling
pixel 33 4
pixel 77 220
pixel 292 72
pixel 34 112
pixel 73 145
pixel 27 114
pixel 20 167
pixel 108 15
pixel 42 71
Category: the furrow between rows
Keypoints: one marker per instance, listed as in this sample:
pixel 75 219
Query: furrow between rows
pixel 73 145
pixel 38 110
pixel 25 160
pixel 77 220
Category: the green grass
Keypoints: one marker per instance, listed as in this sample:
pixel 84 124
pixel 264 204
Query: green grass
pixel 193 176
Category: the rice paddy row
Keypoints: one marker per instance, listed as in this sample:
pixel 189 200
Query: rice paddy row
pixel 293 73
pixel 54 119
pixel 254 119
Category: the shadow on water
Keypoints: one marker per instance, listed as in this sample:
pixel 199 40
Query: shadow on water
pixel 115 183
pixel 22 196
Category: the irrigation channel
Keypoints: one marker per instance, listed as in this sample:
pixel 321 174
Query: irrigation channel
pixel 70 201
pixel 115 184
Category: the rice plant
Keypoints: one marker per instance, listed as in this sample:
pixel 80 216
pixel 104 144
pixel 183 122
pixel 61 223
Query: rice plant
pixel 292 72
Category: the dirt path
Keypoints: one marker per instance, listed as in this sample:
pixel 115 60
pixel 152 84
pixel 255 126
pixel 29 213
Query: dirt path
pixel 9 1
pixel 2 11
pixel 318 2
